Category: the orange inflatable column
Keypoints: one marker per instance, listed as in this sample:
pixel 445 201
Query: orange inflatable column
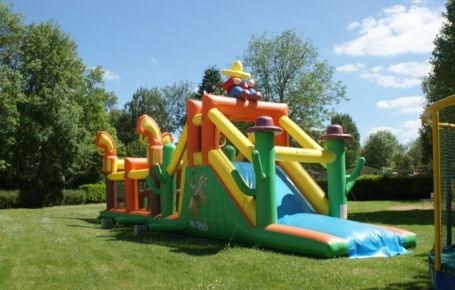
pixel 131 194
pixel 194 132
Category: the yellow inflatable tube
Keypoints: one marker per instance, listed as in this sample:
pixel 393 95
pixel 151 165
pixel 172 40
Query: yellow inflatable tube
pixel 231 132
pixel 116 176
pixel 303 155
pixel 182 183
pixel 223 167
pixel 138 174
pixel 298 134
pixel 170 170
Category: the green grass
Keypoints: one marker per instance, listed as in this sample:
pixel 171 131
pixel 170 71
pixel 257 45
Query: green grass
pixel 64 248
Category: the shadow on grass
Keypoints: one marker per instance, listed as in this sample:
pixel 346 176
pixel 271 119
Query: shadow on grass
pixel 177 243
pixel 402 217
pixel 190 245
pixel 418 282
pixel 92 221
pixel 196 246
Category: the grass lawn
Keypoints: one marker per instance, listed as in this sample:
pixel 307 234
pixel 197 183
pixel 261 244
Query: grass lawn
pixel 65 248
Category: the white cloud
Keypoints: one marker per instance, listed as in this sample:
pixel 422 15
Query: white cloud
pixel 390 81
pixel 406 105
pixel 414 69
pixel 351 67
pixel 398 30
pixel 407 132
pixel 353 25
pixel 110 76
pixel 418 2
pixel 401 75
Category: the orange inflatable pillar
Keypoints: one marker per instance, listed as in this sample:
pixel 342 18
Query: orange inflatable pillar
pixel 194 132
pixel 131 192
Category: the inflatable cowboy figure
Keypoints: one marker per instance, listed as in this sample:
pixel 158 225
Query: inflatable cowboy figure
pixel 239 85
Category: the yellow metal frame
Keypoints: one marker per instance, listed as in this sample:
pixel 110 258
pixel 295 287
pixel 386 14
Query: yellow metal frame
pixel 432 114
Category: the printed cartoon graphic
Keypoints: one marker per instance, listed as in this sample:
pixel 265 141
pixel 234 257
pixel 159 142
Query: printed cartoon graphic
pixel 198 196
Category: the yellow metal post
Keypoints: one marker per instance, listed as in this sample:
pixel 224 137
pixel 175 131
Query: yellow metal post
pixel 437 191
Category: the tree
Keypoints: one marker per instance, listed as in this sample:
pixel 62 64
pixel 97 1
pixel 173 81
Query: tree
pixel 11 34
pixel 440 83
pixel 175 97
pixel 353 145
pixel 167 106
pixel 144 101
pixel 52 104
pixel 381 149
pixel 211 82
pixel 287 70
pixel 414 153
pixel 96 104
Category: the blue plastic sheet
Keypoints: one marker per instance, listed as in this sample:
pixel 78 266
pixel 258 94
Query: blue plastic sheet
pixel 364 240
pixel 294 210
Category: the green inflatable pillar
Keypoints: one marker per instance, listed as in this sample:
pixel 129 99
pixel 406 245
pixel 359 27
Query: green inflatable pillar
pixel 168 183
pixel 336 171
pixel 263 157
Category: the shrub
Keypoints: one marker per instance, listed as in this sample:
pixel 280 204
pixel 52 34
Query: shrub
pixel 9 198
pixel 94 193
pixel 387 187
pixel 73 196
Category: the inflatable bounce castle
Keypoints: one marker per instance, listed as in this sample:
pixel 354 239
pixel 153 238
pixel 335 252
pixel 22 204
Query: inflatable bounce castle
pixel 219 182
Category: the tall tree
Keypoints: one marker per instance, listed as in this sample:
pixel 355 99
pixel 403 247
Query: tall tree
pixel 381 149
pixel 11 35
pixel 175 97
pixel 414 153
pixel 287 69
pixel 144 101
pixel 51 104
pixel 440 83
pixel 211 82
pixel 353 145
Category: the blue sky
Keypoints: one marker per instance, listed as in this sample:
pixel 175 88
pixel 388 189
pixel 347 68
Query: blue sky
pixel 380 49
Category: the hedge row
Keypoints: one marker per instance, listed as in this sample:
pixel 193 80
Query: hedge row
pixel 367 187
pixel 9 198
pixel 386 187
pixel 87 193
pixel 94 193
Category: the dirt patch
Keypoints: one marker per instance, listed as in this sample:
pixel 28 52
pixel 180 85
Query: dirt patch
pixel 419 206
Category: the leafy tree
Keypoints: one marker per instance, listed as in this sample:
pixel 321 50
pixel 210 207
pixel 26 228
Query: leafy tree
pixel 440 83
pixel 287 70
pixel 144 101
pixel 51 105
pixel 167 106
pixel 381 149
pixel 414 153
pixel 349 127
pixel 96 104
pixel 175 97
pixel 11 34
pixel 211 82
pixel 402 163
